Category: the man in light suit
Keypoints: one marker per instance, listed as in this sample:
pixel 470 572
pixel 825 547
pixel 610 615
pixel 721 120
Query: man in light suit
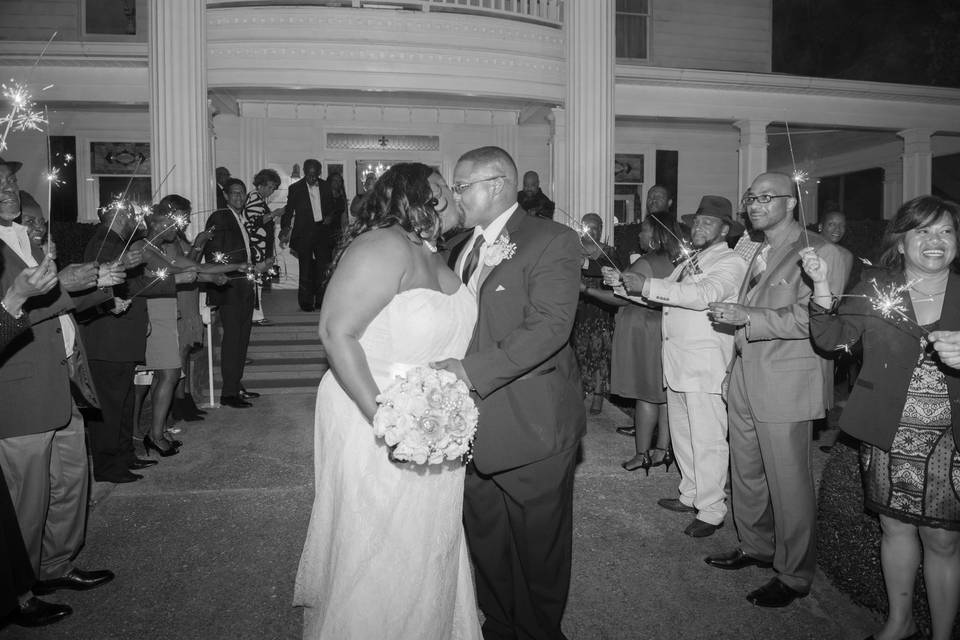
pixel 695 358
pixel 518 505
pixel 310 226
pixel 777 386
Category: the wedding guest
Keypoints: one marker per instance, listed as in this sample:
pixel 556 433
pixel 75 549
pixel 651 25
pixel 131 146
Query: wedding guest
pixel 18 605
pixel 533 200
pixel 357 203
pixel 695 358
pixel 222 175
pixel 903 407
pixel 259 222
pixel 42 450
pixel 636 361
pixel 593 327
pixel 776 388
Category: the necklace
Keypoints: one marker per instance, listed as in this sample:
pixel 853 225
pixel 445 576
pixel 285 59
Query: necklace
pixel 429 245
pixel 930 295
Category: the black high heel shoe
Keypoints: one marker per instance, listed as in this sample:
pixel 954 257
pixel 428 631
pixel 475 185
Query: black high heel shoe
pixel 148 444
pixel 639 461
pixel 664 461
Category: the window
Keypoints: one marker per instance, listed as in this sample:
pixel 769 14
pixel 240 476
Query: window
pixel 632 29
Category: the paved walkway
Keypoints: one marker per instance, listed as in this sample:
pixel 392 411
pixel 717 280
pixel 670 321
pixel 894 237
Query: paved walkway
pixel 206 547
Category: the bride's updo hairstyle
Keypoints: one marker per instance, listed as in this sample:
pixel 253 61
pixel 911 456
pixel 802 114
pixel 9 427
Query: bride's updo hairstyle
pixel 402 197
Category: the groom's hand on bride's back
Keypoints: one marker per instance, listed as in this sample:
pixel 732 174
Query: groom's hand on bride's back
pixel 455 367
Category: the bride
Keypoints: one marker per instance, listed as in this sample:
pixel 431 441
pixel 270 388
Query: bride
pixel 385 555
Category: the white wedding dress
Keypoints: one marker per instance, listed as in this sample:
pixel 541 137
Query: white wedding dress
pixel 385 555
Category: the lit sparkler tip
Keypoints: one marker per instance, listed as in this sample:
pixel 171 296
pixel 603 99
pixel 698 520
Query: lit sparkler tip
pixel 800 176
pixel 68 157
pixel 181 221
pixel 251 276
pixel 161 273
pixel 219 257
pixel 53 177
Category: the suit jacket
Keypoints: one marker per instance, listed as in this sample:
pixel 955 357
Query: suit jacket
pixel 786 379
pixel 227 239
pixel 519 360
pixel 299 208
pixel 695 352
pixel 891 350
pixel 35 374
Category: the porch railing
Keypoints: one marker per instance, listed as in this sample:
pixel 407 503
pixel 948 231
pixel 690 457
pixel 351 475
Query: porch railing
pixel 546 12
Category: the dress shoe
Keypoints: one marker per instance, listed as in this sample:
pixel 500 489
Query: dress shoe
pixel 774 594
pixel 234 401
pixel 262 323
pixel 248 395
pixel 38 613
pixel 734 560
pixel 141 463
pixel 674 504
pixel 169 449
pixel 701 529
pixel 117 478
pixel 75 579
pixel 627 431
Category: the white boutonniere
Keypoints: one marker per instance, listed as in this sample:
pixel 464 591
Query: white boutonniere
pixel 499 251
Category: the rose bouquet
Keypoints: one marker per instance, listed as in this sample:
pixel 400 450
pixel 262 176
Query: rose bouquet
pixel 426 416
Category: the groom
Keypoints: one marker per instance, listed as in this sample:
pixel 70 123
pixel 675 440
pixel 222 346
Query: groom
pixel 518 505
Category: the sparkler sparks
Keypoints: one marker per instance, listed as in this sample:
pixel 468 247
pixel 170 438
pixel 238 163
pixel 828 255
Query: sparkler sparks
pixel 219 257
pixel 53 177
pixel 22 114
pixel 799 176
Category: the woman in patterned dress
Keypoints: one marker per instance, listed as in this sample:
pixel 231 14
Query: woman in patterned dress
pixel 901 406
pixel 259 223
pixel 593 328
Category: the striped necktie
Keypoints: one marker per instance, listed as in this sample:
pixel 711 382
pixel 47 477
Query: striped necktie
pixel 759 266
pixel 470 265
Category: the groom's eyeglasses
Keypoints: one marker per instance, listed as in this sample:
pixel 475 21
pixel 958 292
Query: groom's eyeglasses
pixel 460 187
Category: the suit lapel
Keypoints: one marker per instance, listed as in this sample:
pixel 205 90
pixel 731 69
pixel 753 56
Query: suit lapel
pixel 506 234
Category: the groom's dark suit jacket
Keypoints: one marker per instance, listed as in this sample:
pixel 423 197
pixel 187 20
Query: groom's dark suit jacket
pixel 519 360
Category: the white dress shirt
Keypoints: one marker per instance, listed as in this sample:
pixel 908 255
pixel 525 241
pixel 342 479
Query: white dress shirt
pixel 314 191
pixel 490 235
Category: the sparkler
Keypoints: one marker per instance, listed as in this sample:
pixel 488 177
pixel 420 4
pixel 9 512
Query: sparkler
pixel 799 176
pixel 888 302
pixel 159 274
pixel 584 232
pixel 22 115
pixel 688 253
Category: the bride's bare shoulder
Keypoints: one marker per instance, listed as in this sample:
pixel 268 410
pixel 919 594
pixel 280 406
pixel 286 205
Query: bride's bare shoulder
pixel 390 243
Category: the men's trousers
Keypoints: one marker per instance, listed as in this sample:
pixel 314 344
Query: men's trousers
pixel 111 429
pixel 774 506
pixel 698 431
pixel 313 259
pixel 236 318
pixel 47 475
pixel 519 526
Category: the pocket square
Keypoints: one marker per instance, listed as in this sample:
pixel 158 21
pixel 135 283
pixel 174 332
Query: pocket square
pixel 500 287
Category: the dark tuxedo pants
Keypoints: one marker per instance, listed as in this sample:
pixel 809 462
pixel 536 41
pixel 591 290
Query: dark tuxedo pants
pixel 16 574
pixel 111 428
pixel 519 526
pixel 236 319
pixel 313 258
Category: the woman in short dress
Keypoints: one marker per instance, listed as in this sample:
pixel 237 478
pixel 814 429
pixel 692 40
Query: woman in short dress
pixel 901 406
pixel 258 220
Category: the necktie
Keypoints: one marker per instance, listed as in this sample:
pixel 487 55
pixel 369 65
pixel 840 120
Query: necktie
pixel 759 266
pixel 472 259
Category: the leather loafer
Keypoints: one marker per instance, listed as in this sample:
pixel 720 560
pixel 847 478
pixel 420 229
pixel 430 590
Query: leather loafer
pixel 234 401
pixel 701 529
pixel 674 504
pixel 117 478
pixel 734 560
pixel 38 613
pixel 141 463
pixel 627 431
pixel 75 579
pixel 248 395
pixel 774 594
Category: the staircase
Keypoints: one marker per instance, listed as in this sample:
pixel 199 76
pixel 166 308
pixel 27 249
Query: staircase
pixel 287 354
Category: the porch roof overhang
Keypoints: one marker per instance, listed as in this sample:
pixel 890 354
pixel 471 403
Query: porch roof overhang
pixel 659 92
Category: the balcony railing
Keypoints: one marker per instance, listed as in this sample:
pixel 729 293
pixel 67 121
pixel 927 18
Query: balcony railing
pixel 546 12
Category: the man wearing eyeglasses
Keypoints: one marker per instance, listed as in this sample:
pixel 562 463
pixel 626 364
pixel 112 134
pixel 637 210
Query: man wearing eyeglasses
pixel 518 503
pixel 777 386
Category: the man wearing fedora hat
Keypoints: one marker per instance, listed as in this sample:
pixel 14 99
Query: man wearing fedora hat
pixel 695 357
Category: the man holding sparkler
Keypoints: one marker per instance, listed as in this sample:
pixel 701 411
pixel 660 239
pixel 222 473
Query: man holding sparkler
pixel 42 449
pixel 776 388
pixel 695 357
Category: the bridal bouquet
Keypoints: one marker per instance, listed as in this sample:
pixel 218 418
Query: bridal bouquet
pixel 426 416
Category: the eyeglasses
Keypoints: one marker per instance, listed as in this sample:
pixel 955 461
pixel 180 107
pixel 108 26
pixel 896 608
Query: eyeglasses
pixel 460 187
pixel 763 198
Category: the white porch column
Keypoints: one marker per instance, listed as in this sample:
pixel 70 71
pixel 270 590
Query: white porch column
pixel 506 135
pixel 179 133
pixel 252 154
pixel 752 150
pixel 558 159
pixel 892 189
pixel 590 115
pixel 917 162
